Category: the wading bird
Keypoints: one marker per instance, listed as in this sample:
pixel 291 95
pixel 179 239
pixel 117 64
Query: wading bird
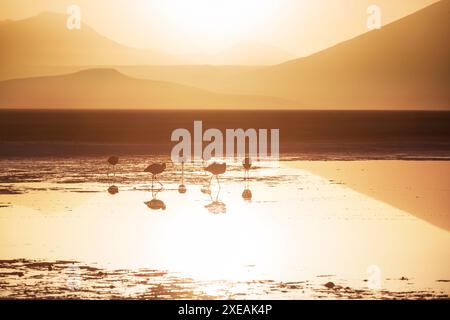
pixel 155 169
pixel 216 206
pixel 247 164
pixel 215 169
pixel 112 161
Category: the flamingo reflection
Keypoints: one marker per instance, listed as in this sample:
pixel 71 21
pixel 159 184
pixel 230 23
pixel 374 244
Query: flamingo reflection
pixel 156 204
pixel 112 190
pixel 112 162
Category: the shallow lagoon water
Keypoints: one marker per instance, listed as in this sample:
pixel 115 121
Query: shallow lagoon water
pixel 299 232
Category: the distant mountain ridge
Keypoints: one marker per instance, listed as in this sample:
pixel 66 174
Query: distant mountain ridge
pixel 45 40
pixel 405 65
pixel 108 88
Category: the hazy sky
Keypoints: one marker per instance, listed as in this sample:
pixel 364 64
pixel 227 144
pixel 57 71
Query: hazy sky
pixel 182 26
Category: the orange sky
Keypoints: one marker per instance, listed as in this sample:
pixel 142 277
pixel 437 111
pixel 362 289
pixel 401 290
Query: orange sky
pixel 299 27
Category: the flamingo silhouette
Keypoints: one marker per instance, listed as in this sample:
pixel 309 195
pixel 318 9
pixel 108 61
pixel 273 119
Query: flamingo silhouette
pixel 112 161
pixel 112 190
pixel 182 188
pixel 247 194
pixel 216 206
pixel 216 169
pixel 156 204
pixel 155 169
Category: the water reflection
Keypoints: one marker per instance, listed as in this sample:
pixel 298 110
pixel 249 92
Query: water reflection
pixel 156 204
pixel 287 248
pixel 112 162
pixel 113 190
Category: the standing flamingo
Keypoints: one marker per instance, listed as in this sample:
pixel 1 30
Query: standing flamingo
pixel 155 169
pixel 182 187
pixel 247 163
pixel 112 161
pixel 112 190
pixel 156 204
pixel 215 169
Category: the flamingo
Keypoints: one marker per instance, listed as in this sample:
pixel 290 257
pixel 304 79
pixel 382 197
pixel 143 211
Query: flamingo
pixel 112 161
pixel 155 169
pixel 182 188
pixel 215 169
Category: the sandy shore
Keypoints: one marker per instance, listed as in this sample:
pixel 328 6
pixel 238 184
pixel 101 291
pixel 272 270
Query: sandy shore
pixel 418 187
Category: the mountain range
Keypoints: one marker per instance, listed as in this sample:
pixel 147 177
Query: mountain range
pixel 404 65
pixel 108 88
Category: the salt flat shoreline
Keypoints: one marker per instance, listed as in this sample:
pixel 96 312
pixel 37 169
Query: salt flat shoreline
pixel 420 188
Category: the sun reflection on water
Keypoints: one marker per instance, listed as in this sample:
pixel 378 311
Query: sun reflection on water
pixel 296 228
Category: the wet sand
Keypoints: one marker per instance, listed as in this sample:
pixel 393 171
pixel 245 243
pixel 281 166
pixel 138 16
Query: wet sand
pixel 421 188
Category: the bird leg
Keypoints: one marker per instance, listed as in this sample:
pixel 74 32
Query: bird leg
pixel 162 186
pixel 210 180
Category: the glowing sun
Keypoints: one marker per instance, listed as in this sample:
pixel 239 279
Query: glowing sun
pixel 212 20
